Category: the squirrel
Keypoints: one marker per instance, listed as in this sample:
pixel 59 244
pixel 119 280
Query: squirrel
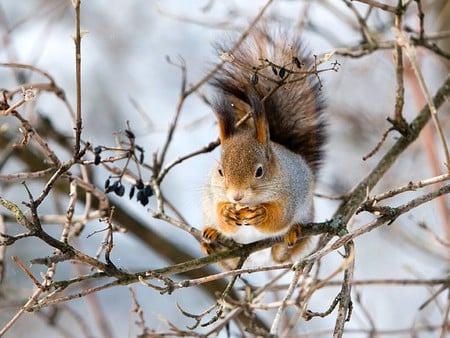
pixel 272 132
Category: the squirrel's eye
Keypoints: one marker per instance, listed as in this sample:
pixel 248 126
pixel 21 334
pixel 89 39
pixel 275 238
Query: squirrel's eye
pixel 220 172
pixel 259 171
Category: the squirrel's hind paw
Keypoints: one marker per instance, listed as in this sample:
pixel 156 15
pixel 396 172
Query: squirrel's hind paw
pixel 291 237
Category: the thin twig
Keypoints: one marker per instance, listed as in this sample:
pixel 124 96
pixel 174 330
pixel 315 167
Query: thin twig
pixel 411 186
pixel 18 177
pixel 399 121
pixel 365 31
pixel 69 212
pixel 445 327
pixel 345 302
pixel 277 319
pixel 78 119
pixel 137 309
pixel 198 281
pixel 34 297
pixel 379 144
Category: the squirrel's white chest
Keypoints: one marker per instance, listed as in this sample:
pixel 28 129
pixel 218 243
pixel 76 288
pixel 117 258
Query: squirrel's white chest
pixel 248 234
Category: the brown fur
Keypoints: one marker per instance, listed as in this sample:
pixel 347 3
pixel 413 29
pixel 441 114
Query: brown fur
pixel 285 104
pixel 293 104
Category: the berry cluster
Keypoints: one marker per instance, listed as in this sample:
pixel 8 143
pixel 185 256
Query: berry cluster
pixel 132 153
pixel 144 191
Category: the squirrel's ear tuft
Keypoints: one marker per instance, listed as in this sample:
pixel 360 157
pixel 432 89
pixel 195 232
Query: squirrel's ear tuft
pixel 226 117
pixel 259 118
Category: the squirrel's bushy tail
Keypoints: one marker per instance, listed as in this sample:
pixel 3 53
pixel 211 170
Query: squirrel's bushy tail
pixel 275 67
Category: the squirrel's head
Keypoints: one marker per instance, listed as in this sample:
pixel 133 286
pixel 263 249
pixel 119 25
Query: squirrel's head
pixel 246 166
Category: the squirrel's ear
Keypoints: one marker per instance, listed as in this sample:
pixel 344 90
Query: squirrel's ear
pixel 259 118
pixel 226 117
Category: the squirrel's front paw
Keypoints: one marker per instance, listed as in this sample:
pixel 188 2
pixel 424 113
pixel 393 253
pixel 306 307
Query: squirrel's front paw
pixel 210 234
pixel 253 215
pixel 231 215
pixel 235 215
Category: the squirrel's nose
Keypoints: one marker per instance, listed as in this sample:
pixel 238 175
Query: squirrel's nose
pixel 238 196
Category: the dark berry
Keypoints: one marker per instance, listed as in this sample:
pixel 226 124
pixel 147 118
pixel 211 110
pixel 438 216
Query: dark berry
pixel 148 191
pixel 119 190
pixel 131 194
pixel 97 159
pixel 112 187
pixel 142 198
pixel 107 182
pixel 98 150
pixel 139 184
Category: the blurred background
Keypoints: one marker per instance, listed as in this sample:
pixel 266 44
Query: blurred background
pixel 127 76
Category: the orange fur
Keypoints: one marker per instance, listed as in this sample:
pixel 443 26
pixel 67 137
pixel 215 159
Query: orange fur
pixel 275 220
pixel 267 217
pixel 282 252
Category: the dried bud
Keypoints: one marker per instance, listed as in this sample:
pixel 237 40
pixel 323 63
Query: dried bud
pixel 129 134
pixel 141 155
pixel 28 94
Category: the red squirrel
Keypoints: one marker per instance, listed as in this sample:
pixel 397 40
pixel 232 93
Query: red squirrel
pixel 263 185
